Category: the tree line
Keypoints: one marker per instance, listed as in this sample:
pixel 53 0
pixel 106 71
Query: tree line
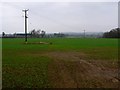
pixel 114 33
pixel 37 33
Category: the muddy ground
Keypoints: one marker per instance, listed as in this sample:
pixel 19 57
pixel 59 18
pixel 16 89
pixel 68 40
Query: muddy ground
pixel 73 70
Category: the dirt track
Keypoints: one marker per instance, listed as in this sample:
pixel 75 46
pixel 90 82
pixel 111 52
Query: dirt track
pixel 71 70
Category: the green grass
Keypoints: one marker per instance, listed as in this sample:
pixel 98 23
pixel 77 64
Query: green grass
pixel 25 66
pixel 25 72
pixel 101 48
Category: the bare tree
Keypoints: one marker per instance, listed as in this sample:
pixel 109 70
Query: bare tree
pixel 43 33
pixel 37 33
pixel 3 34
pixel 33 32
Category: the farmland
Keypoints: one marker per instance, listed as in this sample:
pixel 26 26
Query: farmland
pixel 65 63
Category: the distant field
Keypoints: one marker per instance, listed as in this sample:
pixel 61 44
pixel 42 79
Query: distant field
pixel 67 62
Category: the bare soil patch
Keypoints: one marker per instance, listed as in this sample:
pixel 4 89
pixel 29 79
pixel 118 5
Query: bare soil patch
pixel 71 70
pixel 37 43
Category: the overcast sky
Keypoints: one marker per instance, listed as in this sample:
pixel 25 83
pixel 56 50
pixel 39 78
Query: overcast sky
pixel 60 16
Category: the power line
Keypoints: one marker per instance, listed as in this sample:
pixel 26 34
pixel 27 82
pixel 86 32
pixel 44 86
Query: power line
pixel 47 18
pixel 53 20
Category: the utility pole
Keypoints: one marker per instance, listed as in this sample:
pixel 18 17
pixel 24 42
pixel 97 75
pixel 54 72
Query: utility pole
pixel 84 33
pixel 25 23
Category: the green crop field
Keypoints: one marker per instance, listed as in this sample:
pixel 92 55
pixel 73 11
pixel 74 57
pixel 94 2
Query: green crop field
pixel 52 65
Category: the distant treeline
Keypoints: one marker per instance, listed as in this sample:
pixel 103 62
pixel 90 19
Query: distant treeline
pixel 114 33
